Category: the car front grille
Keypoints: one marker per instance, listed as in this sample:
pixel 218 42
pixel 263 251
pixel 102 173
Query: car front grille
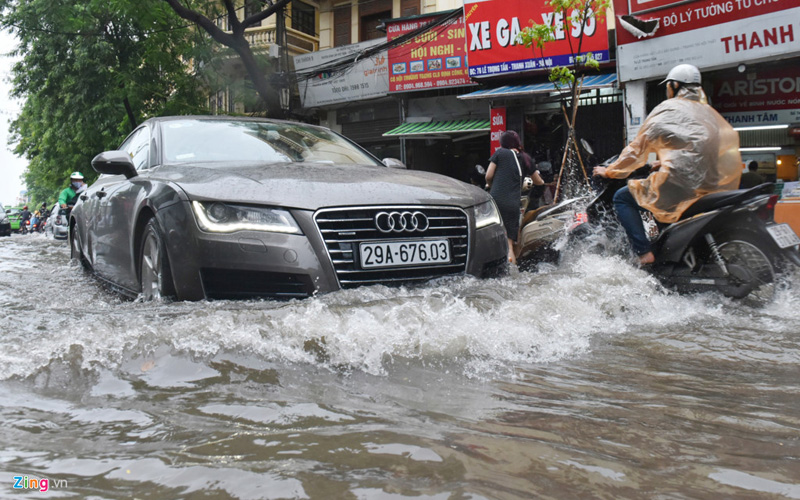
pixel 344 229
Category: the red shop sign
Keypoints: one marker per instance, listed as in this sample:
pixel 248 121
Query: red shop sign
pixel 765 90
pixel 433 59
pixel 492 29
pixel 497 127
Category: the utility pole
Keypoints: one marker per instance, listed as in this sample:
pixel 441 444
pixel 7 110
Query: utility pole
pixel 283 62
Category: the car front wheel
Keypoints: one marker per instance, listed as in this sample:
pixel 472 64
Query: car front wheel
pixel 76 253
pixel 154 271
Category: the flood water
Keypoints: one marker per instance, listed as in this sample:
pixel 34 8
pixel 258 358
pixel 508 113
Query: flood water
pixel 583 380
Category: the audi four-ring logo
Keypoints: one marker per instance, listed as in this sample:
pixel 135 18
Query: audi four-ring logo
pixel 398 222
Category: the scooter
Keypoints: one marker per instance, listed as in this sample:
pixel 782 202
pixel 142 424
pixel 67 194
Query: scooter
pixel 543 230
pixel 543 227
pixel 727 242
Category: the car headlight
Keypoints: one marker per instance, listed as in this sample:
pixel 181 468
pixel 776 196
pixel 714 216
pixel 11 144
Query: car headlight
pixel 486 214
pixel 220 217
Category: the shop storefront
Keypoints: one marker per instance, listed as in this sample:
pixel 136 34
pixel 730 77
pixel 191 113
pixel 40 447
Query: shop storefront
pixel 353 99
pixel 436 132
pixel 762 101
pixel 515 78
pixel 535 112
pixel 749 54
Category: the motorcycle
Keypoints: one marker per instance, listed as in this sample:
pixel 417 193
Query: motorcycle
pixel 727 242
pixel 542 230
pixel 541 227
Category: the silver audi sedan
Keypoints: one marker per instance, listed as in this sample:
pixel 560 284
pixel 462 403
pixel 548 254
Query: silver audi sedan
pixel 206 207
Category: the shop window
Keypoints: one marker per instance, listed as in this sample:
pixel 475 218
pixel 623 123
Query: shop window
pixel 371 14
pixel 369 26
pixel 341 25
pixel 253 7
pixel 231 102
pixel 216 102
pixel 409 8
pixel 219 102
pixel 304 18
pixel 222 22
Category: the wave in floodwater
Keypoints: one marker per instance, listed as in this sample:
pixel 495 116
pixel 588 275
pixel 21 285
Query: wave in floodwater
pixel 55 314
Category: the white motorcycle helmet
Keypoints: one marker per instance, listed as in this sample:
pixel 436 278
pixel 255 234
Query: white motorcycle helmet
pixel 527 183
pixel 684 73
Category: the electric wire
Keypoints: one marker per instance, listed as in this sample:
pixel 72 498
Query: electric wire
pixel 344 64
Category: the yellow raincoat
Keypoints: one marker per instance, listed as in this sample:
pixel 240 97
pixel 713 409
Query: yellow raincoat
pixel 698 149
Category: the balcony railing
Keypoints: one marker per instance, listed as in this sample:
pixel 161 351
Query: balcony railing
pixel 262 37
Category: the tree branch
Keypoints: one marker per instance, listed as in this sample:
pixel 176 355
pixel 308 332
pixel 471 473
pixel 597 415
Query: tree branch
pixel 207 24
pixel 233 19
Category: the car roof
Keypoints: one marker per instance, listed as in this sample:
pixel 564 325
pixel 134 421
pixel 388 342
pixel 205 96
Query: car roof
pixel 162 119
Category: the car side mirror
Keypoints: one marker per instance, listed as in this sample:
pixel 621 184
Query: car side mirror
pixel 114 163
pixel 394 163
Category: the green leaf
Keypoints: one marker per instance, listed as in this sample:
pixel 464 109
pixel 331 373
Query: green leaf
pixel 80 62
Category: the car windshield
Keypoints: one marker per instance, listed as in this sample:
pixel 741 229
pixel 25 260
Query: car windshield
pixel 249 141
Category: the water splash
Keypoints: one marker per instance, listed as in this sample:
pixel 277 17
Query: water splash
pixel 465 324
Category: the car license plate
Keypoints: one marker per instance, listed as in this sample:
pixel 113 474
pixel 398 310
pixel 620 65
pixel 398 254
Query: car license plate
pixel 403 253
pixel 783 235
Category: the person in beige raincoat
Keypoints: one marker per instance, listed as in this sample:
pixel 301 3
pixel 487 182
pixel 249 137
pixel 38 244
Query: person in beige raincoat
pixel 697 151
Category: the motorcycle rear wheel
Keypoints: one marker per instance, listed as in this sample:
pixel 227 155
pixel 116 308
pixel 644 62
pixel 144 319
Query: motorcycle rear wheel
pixel 751 268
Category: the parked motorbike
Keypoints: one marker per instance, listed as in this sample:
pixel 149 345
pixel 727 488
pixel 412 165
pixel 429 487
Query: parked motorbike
pixel 544 230
pixel 726 242
pixel 541 227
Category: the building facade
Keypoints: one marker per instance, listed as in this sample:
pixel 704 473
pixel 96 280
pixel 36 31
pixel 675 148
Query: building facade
pixel 748 52
pixel 398 103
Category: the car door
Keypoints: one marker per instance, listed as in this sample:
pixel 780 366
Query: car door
pixel 116 204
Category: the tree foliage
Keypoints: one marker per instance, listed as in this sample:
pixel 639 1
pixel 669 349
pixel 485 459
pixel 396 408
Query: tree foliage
pixel 575 14
pixel 204 13
pixel 90 71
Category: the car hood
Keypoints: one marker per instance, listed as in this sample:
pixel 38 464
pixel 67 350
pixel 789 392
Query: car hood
pixel 313 186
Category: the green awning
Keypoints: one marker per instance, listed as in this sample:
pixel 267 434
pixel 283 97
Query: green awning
pixel 434 127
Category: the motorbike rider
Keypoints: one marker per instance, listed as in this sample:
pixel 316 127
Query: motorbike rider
pixel 697 151
pixel 70 194
pixel 24 216
pixel 35 220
